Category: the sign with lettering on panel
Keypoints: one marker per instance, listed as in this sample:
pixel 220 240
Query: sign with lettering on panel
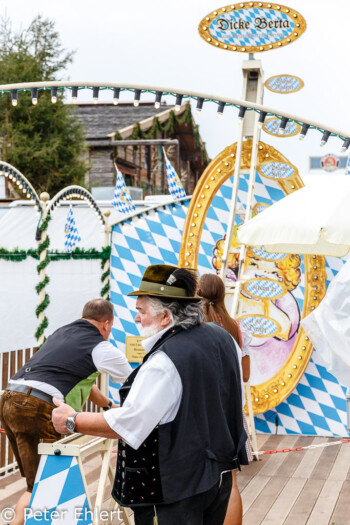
pixel 284 84
pixel 252 27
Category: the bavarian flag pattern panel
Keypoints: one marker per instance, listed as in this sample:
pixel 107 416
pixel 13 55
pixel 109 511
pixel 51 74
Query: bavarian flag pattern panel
pixel 270 308
pixel 59 495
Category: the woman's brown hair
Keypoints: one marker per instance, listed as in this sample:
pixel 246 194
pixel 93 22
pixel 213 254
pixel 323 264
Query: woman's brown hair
pixel 212 290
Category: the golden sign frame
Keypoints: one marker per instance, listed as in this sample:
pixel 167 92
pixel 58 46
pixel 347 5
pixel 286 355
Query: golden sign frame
pixel 283 136
pixel 204 24
pixel 284 92
pixel 272 392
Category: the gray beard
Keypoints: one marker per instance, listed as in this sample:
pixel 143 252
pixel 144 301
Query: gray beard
pixel 148 331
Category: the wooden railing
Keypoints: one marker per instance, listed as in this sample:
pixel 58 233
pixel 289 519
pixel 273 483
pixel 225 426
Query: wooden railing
pixel 10 363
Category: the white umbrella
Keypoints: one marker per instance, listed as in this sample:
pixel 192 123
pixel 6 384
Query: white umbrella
pixel 315 220
pixel 312 220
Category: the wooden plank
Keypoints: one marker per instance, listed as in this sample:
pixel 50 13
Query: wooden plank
pixel 252 491
pixel 285 501
pixel 262 504
pixel 325 463
pixel 325 503
pixel 293 459
pixel 4 375
pixel 275 462
pixel 20 355
pixel 12 363
pixel 262 439
pixel 304 504
pixel 340 469
pixel 248 472
pixel 341 514
pixel 310 458
pixel 5 370
pixel 27 355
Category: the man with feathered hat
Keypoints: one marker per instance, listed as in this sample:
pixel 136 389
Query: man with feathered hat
pixel 180 425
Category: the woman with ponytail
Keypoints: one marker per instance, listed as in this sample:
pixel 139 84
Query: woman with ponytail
pixel 212 290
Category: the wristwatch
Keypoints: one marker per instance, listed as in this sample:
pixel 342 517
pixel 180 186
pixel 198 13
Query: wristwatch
pixel 70 422
pixel 107 407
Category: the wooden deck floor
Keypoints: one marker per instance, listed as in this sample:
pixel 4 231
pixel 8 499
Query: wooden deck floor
pixel 308 487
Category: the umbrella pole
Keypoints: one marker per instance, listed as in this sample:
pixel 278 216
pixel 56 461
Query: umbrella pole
pixel 247 126
pixel 242 255
pixel 232 216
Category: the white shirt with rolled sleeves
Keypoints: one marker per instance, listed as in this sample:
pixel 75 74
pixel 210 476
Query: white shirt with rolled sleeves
pixel 154 397
pixel 106 357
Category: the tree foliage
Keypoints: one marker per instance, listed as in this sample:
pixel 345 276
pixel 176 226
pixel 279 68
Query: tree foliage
pixel 45 142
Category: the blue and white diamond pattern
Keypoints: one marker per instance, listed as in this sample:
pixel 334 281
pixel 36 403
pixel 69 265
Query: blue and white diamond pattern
pixel 277 170
pixel 263 288
pixel 317 406
pixel 259 325
pixel 272 125
pixel 59 495
pixel 260 252
pixel 71 231
pixel 175 187
pixel 249 32
pixel 284 84
pixel 121 199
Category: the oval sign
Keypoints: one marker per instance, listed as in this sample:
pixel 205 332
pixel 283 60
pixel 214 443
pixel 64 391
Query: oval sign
pixel 252 27
pixel 259 326
pixel 284 84
pixel 276 170
pixel 262 254
pixel 272 126
pixel 259 207
pixel 264 288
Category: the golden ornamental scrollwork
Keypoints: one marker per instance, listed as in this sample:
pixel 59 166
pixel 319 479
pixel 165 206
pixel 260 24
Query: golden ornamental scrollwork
pixel 273 391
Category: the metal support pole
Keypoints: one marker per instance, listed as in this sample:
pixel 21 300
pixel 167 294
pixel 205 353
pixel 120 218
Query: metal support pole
pixel 232 216
pixel 242 256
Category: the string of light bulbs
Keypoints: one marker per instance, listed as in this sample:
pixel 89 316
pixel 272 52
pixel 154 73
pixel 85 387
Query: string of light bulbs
pixel 222 102
pixel 76 192
pixel 22 183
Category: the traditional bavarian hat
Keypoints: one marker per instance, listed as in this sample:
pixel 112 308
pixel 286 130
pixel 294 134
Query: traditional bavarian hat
pixel 168 282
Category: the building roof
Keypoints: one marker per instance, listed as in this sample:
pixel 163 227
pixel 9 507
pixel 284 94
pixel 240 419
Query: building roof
pixel 102 120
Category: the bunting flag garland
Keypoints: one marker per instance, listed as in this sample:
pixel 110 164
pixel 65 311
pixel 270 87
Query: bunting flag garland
pixel 122 200
pixel 71 231
pixel 175 187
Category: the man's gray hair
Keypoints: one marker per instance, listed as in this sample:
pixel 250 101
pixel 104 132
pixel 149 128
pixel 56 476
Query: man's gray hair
pixel 182 313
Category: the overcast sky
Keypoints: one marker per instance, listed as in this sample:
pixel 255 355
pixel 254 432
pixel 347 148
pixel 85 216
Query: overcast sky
pixel 156 42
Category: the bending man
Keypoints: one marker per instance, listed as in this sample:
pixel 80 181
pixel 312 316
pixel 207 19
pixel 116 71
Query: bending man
pixel 65 367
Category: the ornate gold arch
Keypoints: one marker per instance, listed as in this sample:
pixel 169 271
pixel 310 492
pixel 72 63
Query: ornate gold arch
pixel 272 392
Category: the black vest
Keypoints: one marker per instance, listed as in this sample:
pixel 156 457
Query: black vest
pixel 65 358
pixel 186 456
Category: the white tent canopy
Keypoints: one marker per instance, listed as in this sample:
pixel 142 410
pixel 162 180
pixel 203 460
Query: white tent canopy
pixel 313 219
